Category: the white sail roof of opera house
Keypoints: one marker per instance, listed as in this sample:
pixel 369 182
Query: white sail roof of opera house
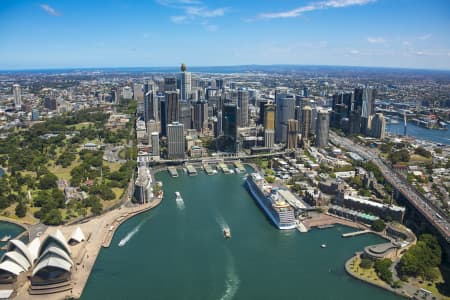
pixel 20 247
pixel 34 247
pixel 54 239
pixel 52 250
pixel 77 235
pixel 17 258
pixel 52 260
pixel 11 267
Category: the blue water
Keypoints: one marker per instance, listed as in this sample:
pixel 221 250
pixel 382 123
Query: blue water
pixel 8 229
pixel 437 136
pixel 179 252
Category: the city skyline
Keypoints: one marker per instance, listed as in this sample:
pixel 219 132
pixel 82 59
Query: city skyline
pixel 378 33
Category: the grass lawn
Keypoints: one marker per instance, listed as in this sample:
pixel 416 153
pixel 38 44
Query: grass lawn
pixel 431 286
pixel 418 159
pixel 63 173
pixel 112 166
pixel 29 218
pixel 81 125
pixel 368 274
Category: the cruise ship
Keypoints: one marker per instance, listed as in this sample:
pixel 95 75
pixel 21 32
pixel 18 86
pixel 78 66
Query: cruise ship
pixel 278 210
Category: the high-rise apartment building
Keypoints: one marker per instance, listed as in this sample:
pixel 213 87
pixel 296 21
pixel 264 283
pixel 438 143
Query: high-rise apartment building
pixel 17 92
pixel 155 143
pixel 306 126
pixel 378 128
pixel 322 128
pixel 185 83
pixel 292 141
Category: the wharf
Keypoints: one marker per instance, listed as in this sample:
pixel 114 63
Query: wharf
pixel 172 171
pixel 224 168
pixel 239 165
pixel 191 170
pixel 355 233
pixel 208 169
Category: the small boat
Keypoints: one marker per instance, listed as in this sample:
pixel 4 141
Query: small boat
pixel 178 196
pixel 5 238
pixel 227 233
pixel 323 245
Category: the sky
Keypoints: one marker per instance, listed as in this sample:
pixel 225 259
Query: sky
pixel 146 33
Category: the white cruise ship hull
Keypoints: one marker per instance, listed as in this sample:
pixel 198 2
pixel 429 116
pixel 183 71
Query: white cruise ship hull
pixel 268 212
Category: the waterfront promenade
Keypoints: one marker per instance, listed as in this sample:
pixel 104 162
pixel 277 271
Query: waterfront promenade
pixel 99 232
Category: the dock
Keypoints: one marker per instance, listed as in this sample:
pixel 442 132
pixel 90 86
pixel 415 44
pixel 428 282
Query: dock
pixel 191 170
pixel 224 168
pixel 239 166
pixel 355 233
pixel 208 169
pixel 172 171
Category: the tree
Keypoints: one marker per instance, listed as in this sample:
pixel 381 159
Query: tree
pixel 53 217
pixel 378 225
pixel 382 268
pixel 366 263
pixel 48 181
pixel 97 207
pixel 21 209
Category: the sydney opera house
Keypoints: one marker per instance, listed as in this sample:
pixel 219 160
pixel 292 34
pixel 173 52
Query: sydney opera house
pixel 46 262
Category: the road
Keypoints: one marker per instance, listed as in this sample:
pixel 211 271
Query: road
pixel 433 214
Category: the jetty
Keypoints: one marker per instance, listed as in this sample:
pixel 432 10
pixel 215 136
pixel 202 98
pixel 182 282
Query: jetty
pixel 191 170
pixel 238 165
pixel 224 168
pixel 355 233
pixel 208 169
pixel 172 171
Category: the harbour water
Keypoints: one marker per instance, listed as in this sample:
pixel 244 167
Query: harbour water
pixel 433 135
pixel 8 229
pixel 174 252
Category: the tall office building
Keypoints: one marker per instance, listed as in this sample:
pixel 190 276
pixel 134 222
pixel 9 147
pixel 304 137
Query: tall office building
pixel 172 107
pixel 175 140
pixel 138 93
pixel 185 114
pixel 269 117
pixel 127 93
pixel 242 96
pixel 367 110
pixel 269 138
pixel 230 116
pixel 149 100
pixel 285 110
pixel 378 129
pixel 292 141
pixel 219 130
pixel 155 143
pixel 262 103
pixel 322 128
pixel 17 92
pixel 185 83
pixel 170 84
pixel 306 126
pixel 201 115
pixel 219 84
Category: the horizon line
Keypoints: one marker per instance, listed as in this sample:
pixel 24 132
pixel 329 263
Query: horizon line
pixel 218 66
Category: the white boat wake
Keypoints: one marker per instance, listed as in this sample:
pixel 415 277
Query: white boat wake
pixel 222 223
pixel 232 281
pixel 180 204
pixel 132 233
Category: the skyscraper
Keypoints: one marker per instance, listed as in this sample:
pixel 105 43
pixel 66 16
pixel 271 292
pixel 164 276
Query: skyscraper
pixel 185 83
pixel 262 103
pixel 17 96
pixel 292 134
pixel 185 114
pixel 378 129
pixel 201 115
pixel 175 140
pixel 230 115
pixel 322 128
pixel 306 126
pixel 243 106
pixel 269 138
pixel 368 109
pixel 172 107
pixel 155 143
pixel 285 110
pixel 170 84
pixel 269 117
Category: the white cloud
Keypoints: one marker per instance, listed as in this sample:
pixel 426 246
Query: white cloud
pixel 406 43
pixel 354 52
pixel 312 7
pixel 204 12
pixel 376 40
pixel 50 10
pixel 424 37
pixel 179 19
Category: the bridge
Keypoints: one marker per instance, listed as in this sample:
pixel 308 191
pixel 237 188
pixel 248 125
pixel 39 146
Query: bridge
pixel 433 214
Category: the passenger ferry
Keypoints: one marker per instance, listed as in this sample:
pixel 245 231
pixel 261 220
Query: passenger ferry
pixel 278 211
pixel 227 233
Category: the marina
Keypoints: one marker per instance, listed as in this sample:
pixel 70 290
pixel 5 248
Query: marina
pixel 191 170
pixel 208 169
pixel 172 171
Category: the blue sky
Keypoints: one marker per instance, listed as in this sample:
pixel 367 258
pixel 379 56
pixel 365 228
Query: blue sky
pixel 115 33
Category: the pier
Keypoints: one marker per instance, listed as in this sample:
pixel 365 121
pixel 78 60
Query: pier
pixel 191 170
pixel 239 166
pixel 208 169
pixel 172 171
pixel 355 233
pixel 224 168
